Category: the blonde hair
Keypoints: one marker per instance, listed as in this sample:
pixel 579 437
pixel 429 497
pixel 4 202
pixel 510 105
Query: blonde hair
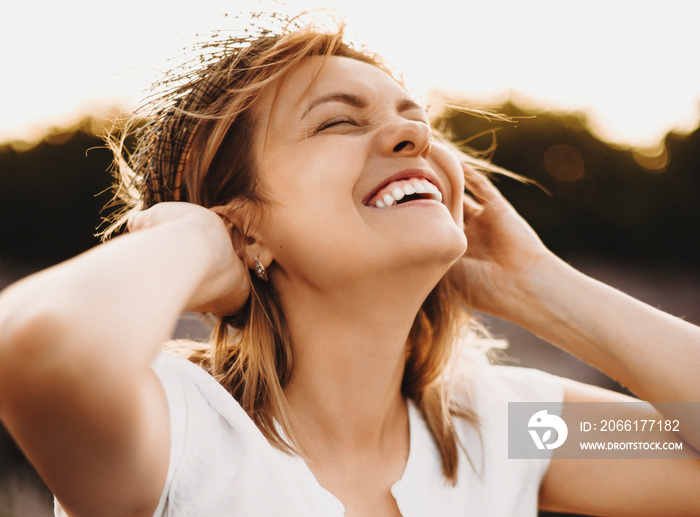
pixel 196 148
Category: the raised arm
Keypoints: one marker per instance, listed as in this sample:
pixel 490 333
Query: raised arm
pixel 512 275
pixel 76 341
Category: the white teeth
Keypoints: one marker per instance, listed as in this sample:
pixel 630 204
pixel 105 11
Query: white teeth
pixel 408 189
pixel 432 189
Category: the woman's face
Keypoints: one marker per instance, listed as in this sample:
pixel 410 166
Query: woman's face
pixel 356 188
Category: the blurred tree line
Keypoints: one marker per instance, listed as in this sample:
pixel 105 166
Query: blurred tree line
pixel 51 195
pixel 601 200
pixel 604 201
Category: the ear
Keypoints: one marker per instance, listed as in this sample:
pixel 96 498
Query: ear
pixel 242 218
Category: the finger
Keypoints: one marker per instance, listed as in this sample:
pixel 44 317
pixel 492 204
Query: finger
pixel 224 213
pixel 135 222
pixel 160 213
pixel 471 206
pixel 480 186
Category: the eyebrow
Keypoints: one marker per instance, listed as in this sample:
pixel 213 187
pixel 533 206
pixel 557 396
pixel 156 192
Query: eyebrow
pixel 408 105
pixel 356 102
pixel 346 98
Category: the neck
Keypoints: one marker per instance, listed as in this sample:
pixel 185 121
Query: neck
pixel 349 355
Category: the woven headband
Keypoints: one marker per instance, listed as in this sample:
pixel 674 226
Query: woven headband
pixel 190 89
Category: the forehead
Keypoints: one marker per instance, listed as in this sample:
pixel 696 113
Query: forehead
pixel 317 76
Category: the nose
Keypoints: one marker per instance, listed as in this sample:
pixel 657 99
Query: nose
pixel 405 137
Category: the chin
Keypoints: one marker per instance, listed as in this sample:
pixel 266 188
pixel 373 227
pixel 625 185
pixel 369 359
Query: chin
pixel 443 250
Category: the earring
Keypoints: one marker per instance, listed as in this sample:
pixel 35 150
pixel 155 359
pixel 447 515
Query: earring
pixel 260 270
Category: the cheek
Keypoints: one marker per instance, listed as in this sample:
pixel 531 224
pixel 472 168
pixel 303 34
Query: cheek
pixel 312 196
pixel 451 167
pixel 454 176
pixel 313 190
pixel 314 167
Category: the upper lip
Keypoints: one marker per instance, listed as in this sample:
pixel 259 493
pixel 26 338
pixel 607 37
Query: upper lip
pixel 407 174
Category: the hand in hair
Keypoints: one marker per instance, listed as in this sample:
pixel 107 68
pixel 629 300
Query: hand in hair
pixel 226 286
pixel 510 273
pixel 76 343
pixel 502 249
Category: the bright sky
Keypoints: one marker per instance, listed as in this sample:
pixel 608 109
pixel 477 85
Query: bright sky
pixel 632 65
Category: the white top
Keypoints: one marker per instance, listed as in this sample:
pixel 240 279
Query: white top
pixel 222 465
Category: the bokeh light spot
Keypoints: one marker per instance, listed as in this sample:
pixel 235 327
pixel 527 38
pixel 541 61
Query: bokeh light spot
pixel 564 163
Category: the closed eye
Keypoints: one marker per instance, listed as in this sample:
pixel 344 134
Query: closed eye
pixel 336 121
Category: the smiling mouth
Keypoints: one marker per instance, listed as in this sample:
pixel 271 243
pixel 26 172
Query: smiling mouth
pixel 403 191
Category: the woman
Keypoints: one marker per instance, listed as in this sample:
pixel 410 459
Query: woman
pixel 293 187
